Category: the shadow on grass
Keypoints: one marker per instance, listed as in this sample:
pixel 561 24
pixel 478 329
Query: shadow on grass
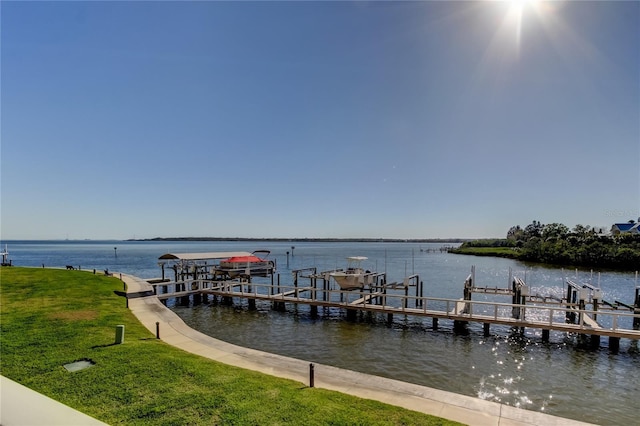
pixel 104 346
pixel 114 343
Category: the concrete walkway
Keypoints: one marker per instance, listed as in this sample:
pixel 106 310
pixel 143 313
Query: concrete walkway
pixel 461 408
pixel 21 406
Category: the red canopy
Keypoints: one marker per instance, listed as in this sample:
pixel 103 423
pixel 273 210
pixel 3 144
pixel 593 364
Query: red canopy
pixel 243 259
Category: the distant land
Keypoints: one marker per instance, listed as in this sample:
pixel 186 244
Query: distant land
pixel 322 240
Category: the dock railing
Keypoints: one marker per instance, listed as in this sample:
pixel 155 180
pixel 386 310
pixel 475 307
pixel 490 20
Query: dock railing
pixel 398 301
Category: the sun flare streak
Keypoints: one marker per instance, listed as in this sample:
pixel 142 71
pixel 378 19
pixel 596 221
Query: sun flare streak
pixel 515 20
pixel 516 9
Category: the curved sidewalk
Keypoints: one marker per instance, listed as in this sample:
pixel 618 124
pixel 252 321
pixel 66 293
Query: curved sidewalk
pixel 461 408
pixel 20 406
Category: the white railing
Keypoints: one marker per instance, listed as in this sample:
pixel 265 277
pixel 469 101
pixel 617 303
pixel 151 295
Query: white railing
pixel 396 301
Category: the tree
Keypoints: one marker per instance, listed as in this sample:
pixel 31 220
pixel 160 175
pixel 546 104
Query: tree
pixel 533 230
pixel 554 231
pixel 515 233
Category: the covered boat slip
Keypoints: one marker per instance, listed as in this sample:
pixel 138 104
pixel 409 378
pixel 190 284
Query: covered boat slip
pixel 216 265
pixel 192 257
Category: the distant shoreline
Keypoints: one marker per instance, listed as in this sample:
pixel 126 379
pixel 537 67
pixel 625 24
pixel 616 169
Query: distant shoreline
pixel 322 240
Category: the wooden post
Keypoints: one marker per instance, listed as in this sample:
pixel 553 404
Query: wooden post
pixel 460 327
pixel 569 317
pixel 435 323
pixel 486 326
pixel 636 308
pixel 311 375
pixel 516 299
pixel 325 289
pixel 389 318
pixel 466 293
pixel 545 335
pixel 581 306
pixel 252 302
pixel 279 282
pixel 614 344
pixel 275 305
pixel 351 314
pixel 406 295
pixel 157 330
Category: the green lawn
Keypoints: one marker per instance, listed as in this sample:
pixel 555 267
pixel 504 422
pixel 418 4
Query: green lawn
pixel 53 317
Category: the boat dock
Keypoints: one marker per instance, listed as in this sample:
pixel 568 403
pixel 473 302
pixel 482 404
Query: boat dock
pixel 582 312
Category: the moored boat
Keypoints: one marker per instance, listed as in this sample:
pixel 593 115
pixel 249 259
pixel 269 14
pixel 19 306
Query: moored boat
pixel 252 265
pixel 354 277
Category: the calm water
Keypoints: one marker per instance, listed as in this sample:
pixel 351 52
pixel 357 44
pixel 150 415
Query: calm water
pixel 559 377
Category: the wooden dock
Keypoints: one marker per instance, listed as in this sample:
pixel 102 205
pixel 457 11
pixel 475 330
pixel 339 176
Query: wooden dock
pixel 546 317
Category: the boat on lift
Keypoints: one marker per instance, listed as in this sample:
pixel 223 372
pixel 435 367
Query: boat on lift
pixel 354 277
pixel 254 265
pixel 5 257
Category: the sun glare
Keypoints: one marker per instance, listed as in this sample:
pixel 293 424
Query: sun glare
pixel 514 21
pixel 516 9
pixel 517 13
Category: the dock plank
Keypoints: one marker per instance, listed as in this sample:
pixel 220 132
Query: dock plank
pixel 588 321
pixel 289 293
pixel 366 298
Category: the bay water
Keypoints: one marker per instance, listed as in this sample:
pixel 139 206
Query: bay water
pixel 560 377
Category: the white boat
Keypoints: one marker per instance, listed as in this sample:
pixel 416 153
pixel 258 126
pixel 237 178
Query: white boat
pixel 5 257
pixel 354 277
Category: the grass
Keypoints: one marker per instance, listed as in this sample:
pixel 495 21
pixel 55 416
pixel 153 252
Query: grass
pixel 53 317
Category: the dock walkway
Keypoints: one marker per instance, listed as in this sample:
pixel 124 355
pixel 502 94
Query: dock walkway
pixel 465 409
pixel 543 316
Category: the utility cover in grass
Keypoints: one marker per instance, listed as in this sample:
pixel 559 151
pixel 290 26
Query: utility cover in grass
pixel 79 365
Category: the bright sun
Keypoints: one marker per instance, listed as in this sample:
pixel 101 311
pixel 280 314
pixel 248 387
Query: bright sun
pixel 516 10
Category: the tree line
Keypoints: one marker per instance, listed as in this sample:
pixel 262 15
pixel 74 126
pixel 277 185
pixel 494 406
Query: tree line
pixel 555 243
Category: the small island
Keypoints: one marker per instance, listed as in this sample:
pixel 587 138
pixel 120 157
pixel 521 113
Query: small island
pixel 556 244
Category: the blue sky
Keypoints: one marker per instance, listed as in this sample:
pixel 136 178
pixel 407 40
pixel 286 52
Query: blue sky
pixel 317 119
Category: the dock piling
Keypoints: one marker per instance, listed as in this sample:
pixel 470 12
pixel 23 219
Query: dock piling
pixel 636 308
pixel 614 344
pixel 378 297
pixel 545 335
